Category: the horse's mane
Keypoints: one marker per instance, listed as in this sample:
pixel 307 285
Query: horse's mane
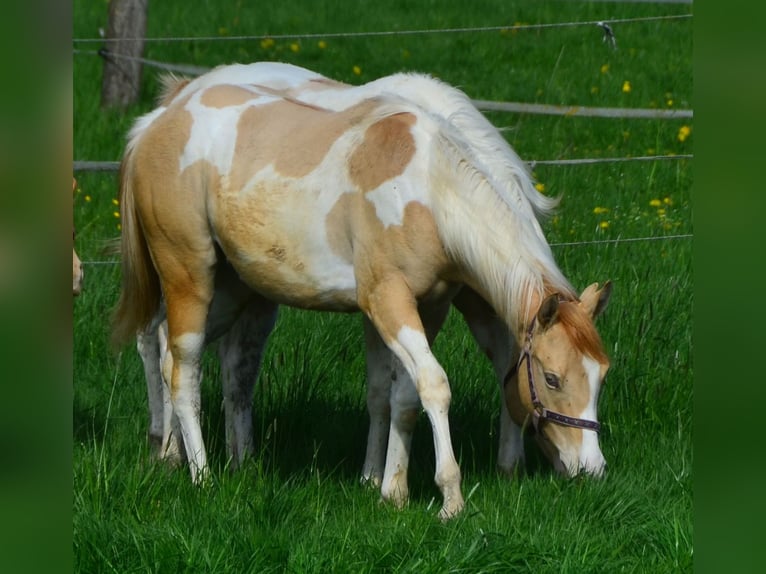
pixel 581 331
pixel 512 251
pixel 485 141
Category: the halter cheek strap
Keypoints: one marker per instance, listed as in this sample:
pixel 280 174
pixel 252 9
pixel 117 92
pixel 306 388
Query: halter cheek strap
pixel 540 412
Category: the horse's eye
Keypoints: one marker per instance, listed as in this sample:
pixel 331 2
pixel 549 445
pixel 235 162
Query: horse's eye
pixel 552 381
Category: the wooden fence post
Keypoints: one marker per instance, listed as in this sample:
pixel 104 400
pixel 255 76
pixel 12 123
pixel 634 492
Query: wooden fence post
pixel 121 83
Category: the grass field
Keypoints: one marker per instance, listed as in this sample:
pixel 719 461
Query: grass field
pixel 299 507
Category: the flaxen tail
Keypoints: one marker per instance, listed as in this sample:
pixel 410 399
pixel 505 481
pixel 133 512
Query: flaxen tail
pixel 141 294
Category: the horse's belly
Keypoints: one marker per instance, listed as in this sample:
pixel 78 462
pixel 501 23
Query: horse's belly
pixel 285 255
pixel 289 281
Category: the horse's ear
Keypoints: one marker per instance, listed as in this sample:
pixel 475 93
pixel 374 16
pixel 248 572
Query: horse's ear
pixel 548 311
pixel 594 300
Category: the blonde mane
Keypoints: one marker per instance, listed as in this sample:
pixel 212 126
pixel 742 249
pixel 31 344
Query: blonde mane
pixel 513 177
pixel 491 227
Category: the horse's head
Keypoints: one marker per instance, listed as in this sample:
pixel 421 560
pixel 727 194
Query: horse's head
pixel 77 273
pixel 557 381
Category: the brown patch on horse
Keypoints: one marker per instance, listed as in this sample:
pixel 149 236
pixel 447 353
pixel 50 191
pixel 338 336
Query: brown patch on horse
pixel 295 144
pixel 581 331
pixel 165 209
pixel 385 152
pixel 225 96
pixel 388 261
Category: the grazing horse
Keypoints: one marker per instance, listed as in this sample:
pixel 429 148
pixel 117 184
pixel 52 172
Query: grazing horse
pixel 77 273
pixel 240 360
pixel 380 207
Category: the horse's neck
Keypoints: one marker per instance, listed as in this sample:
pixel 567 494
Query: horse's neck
pixel 500 251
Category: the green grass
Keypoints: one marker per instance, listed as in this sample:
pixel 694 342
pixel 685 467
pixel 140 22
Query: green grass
pixel 299 507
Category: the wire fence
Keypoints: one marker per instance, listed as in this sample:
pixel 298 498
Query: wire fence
pixel 369 34
pixel 484 105
pixel 616 241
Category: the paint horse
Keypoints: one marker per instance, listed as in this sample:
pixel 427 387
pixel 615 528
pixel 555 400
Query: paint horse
pixel 77 273
pixel 378 207
pixel 240 359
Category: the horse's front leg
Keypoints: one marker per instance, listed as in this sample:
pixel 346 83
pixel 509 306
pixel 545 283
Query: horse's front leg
pixel 393 311
pixel 496 342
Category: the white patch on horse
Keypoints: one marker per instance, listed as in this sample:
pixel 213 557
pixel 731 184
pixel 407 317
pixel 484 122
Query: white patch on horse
pixel 208 123
pixel 391 198
pixel 591 458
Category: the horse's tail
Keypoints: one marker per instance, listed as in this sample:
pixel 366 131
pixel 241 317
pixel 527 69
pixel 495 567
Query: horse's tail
pixel 141 294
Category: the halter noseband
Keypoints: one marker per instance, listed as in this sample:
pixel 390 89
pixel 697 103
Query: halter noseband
pixel 540 412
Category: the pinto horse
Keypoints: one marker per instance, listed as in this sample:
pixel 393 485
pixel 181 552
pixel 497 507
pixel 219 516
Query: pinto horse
pixel 380 207
pixel 240 360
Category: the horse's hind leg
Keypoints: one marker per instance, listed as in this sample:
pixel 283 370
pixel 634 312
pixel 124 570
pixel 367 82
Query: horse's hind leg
pixel 381 369
pixel 171 448
pixel 153 348
pixel 187 279
pixel 495 340
pixel 240 352
pixel 148 345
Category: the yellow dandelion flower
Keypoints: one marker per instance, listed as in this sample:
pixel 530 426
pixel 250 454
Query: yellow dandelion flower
pixel 669 103
pixel 600 210
pixel 119 227
pixel 87 198
pixel 667 201
pixel 357 70
pixel 267 43
pixel 603 225
pixel 116 214
pixel 540 187
pixel 594 90
pixel 321 44
pixel 683 133
pixel 604 68
pixel 661 213
pixel 626 87
pixel 115 202
pixel 655 203
pixel 295 47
